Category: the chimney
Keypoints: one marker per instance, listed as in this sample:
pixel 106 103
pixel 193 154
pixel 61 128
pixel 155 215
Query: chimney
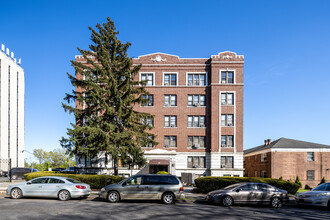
pixel 267 142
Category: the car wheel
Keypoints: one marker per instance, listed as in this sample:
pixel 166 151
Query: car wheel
pixel 329 204
pixel 16 193
pixel 113 197
pixel 276 202
pixel 64 195
pixel 168 198
pixel 13 177
pixel 227 201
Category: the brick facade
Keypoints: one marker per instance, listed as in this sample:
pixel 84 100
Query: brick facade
pixel 290 163
pixel 159 64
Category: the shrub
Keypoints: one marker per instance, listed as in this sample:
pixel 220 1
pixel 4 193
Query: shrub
pixel 308 187
pixel 95 181
pixel 210 183
pixel 322 181
pixel 281 178
pixel 298 182
pixel 162 172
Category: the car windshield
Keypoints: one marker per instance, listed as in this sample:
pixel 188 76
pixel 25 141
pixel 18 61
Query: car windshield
pixel 231 186
pixel 73 181
pixel 323 187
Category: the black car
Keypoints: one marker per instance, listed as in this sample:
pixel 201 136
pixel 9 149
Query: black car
pixel 18 172
pixel 57 169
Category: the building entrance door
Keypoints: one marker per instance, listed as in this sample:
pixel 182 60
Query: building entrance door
pixel 153 169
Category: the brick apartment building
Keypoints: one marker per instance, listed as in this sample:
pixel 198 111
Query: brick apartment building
pixel 289 158
pixel 198 109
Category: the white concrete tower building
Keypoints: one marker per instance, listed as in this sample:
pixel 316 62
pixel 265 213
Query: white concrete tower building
pixel 12 89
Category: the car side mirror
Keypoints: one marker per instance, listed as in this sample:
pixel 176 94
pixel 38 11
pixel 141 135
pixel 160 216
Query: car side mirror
pixel 237 190
pixel 28 182
pixel 124 184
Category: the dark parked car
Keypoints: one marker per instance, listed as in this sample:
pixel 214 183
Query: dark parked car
pixel 58 169
pixel 249 193
pixel 18 172
pixel 166 188
pixel 71 170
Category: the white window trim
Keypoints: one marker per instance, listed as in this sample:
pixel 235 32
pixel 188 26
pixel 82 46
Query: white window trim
pixel 235 119
pixel 177 78
pixel 227 70
pixel 153 76
pixel 187 73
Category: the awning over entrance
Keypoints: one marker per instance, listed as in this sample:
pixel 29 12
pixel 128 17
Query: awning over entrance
pixel 159 162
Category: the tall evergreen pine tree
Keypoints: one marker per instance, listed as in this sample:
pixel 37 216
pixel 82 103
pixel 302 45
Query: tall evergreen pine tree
pixel 106 122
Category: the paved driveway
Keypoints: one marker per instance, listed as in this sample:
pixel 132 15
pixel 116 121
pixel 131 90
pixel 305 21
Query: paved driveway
pixel 94 208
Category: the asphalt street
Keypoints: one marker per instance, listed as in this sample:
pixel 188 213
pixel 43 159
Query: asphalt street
pixel 94 208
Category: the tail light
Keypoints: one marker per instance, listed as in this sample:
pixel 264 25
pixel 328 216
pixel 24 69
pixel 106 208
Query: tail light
pixel 80 187
pixel 181 189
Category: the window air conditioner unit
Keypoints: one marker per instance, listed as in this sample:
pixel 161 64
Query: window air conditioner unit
pixel 230 124
pixel 172 126
pixel 196 104
pixel 196 145
pixel 202 125
pixel 195 166
pixel 223 145
pixel 223 81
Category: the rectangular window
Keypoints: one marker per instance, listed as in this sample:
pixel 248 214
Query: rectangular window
pixel 148 143
pixel 227 120
pixel 170 141
pixel 196 141
pixel 169 100
pixel 149 100
pixel 170 121
pixel 148 78
pixel 227 141
pixel 196 162
pixel 197 79
pixel 264 157
pixel 310 175
pixel 147 121
pixel 227 98
pixel 263 174
pixel 310 156
pixel 227 162
pixel 196 100
pixel 170 79
pixel 196 121
pixel 227 77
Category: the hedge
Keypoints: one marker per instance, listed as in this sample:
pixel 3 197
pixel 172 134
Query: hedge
pixel 95 181
pixel 210 183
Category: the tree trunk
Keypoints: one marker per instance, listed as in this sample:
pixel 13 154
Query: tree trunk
pixel 115 168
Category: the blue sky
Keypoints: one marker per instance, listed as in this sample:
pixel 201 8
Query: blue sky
pixel 285 43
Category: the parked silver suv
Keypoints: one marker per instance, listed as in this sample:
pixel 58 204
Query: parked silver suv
pixel 166 188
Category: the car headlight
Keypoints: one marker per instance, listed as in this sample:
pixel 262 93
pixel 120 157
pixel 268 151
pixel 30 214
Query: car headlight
pixel 321 194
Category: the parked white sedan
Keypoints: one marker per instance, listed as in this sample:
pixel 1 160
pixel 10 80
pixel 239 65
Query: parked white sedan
pixel 319 196
pixel 62 188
